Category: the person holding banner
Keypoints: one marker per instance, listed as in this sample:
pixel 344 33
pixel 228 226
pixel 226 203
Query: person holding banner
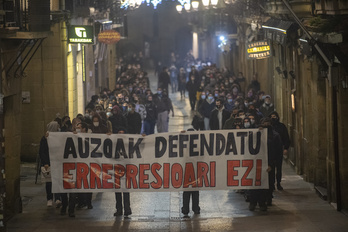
pixel 45 164
pixel 263 197
pixel 186 199
pixel 126 200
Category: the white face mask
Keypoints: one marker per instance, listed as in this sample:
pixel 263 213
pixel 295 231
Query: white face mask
pixel 78 130
pixel 247 124
pixel 242 116
pixel 252 121
pixel 96 124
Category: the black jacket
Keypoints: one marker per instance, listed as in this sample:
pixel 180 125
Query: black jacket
pixel 192 87
pixel 151 111
pixel 43 152
pixel 119 122
pixel 282 131
pixel 134 123
pixel 214 121
pixel 275 146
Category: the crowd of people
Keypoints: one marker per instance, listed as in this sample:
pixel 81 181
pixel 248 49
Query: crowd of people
pixel 218 99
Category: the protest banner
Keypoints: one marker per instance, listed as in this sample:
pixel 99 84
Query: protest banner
pixel 195 160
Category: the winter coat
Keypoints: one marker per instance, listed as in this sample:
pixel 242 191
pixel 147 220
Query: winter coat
pixel 214 121
pixel 205 109
pixel 134 123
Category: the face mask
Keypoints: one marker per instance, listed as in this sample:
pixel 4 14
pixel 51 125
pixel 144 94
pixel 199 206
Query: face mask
pixel 109 114
pixel 78 130
pixel 247 124
pixel 86 115
pixel 252 121
pixel 129 109
pixel 226 83
pixel 130 89
pixel 229 100
pixel 274 119
pixel 159 92
pixel 203 77
pixel 124 108
pixel 210 97
pixel 98 111
pixel 96 124
pixel 110 107
pixel 242 116
pixel 231 81
pixel 246 104
pixel 203 96
pixel 236 104
pixel 216 95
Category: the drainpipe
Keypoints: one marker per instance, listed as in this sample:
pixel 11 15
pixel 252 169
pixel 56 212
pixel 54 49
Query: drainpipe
pixel 3 216
pixel 334 104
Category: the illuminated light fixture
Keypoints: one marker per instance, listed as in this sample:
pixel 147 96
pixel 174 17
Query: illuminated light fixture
pixel 155 3
pixel 274 28
pixel 222 38
pixel 77 67
pixel 69 48
pixel 205 3
pixel 78 47
pixel 179 8
pixel 293 105
pixel 214 2
pixel 187 6
pixel 195 5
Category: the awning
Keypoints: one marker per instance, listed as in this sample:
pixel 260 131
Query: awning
pixel 277 30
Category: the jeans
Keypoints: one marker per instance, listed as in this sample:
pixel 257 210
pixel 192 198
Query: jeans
pixel 162 122
pixel 149 127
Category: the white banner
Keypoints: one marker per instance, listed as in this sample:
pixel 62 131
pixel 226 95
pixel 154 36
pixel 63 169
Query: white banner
pixel 195 160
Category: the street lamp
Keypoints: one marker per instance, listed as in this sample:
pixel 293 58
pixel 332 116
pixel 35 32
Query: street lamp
pixel 187 6
pixel 179 8
pixel 205 3
pixel 195 5
pixel 214 2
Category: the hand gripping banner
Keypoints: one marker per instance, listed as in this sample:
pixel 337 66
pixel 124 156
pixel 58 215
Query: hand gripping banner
pixel 195 160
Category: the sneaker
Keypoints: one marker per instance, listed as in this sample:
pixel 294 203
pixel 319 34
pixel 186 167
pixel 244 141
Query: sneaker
pixel 118 213
pixel 186 215
pixel 127 213
pixel 49 203
pixel 58 204
pixel 279 187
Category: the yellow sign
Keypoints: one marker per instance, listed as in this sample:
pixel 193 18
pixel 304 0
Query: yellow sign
pixel 258 50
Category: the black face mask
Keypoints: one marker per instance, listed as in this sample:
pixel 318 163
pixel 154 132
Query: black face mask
pixel 275 120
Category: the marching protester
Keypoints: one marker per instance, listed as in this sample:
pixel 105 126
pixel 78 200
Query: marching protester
pixel 163 107
pixel 263 197
pixel 46 165
pixel 284 135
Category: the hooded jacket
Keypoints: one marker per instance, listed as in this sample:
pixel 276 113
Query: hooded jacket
pixel 282 131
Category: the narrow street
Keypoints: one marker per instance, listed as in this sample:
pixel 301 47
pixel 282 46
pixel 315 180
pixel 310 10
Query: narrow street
pixel 297 208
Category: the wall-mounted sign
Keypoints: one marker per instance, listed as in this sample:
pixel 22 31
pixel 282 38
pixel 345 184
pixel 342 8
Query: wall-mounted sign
pixel 259 50
pixel 81 34
pixel 109 37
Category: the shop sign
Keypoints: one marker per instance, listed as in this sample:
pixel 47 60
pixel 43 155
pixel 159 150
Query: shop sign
pixel 109 37
pixel 259 50
pixel 81 34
